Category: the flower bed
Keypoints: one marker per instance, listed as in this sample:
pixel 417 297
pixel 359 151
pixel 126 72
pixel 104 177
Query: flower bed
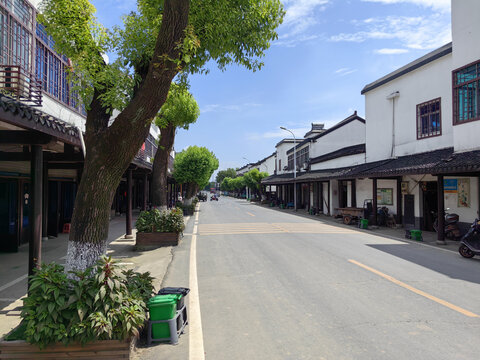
pixel 159 228
pixel 92 314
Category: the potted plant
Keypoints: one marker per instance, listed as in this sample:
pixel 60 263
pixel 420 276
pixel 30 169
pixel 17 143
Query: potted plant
pixel 94 314
pixel 159 228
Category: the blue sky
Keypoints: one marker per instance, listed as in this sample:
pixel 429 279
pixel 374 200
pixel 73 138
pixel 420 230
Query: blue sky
pixel 327 51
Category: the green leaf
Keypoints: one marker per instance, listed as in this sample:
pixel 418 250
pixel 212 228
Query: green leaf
pixel 103 291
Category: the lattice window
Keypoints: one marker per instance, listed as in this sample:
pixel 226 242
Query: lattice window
pixel 429 119
pixel 466 93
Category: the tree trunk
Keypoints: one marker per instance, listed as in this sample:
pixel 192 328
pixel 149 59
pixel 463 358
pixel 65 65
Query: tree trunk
pixel 111 149
pixel 160 167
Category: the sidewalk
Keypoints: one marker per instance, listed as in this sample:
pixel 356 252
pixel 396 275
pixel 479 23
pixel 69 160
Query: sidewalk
pixel 13 267
pixel 429 238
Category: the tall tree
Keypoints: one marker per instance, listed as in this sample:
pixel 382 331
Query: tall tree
pixel 222 174
pixel 194 167
pixel 161 39
pixel 179 111
pixel 253 179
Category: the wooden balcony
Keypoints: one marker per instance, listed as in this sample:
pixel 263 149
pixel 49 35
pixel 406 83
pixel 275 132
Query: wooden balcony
pixel 20 84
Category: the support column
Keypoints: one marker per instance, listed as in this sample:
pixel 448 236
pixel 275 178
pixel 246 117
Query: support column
pixel 440 211
pixel 328 197
pixel 35 242
pixel 145 192
pixel 374 199
pixel 399 201
pixel 45 202
pixel 128 230
pixel 354 192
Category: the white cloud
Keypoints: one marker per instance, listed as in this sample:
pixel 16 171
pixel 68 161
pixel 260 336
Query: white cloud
pixel 440 5
pixel 280 134
pixel 417 32
pixel 387 51
pixel 228 107
pixel 345 71
pixel 300 16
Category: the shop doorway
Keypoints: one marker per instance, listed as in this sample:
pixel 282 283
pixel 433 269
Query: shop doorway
pixel 8 215
pixel 430 204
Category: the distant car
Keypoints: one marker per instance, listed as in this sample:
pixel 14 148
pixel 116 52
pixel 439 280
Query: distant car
pixel 202 197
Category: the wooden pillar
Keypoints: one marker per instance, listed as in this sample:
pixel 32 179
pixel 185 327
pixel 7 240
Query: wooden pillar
pixel 128 230
pixel 399 201
pixel 35 242
pixel 45 202
pixel 328 198
pixel 440 211
pixel 145 192
pixel 374 199
pixel 354 192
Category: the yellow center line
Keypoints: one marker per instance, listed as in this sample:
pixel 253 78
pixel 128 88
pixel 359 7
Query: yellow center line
pixel 416 291
pixel 250 214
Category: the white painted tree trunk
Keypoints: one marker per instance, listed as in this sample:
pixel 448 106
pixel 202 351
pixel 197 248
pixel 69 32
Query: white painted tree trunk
pixel 81 255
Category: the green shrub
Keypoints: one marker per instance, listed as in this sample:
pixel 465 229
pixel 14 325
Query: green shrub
pixel 101 303
pixel 161 221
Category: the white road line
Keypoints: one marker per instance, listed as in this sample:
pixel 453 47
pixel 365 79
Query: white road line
pixel 11 283
pixel 196 349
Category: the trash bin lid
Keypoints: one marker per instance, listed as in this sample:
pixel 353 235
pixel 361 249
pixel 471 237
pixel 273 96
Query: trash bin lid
pixel 168 299
pixel 174 290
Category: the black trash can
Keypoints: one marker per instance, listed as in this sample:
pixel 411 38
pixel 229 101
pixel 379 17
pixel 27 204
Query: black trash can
pixel 181 302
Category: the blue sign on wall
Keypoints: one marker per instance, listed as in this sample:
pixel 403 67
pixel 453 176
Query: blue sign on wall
pixel 450 185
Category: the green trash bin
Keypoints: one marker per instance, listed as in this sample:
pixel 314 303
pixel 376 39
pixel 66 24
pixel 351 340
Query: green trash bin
pixel 162 307
pixel 416 235
pixel 363 223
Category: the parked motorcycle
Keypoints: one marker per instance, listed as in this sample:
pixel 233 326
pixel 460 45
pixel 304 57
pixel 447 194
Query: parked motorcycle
pixel 470 243
pixel 450 229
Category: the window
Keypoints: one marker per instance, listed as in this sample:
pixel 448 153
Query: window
pixel 429 119
pixel 466 94
pixel 280 164
pixel 302 157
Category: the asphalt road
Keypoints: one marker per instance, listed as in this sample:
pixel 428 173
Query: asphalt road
pixel 276 286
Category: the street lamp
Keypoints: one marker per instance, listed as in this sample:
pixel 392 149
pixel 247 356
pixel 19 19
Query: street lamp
pixel 294 167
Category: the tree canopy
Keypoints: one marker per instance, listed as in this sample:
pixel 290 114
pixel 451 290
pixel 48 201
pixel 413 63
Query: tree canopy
pixel 253 179
pixel 180 109
pixel 195 166
pixel 222 174
pixel 222 31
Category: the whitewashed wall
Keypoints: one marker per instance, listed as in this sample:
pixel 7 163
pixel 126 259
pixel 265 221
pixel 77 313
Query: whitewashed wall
pixel 343 161
pixel 282 156
pixel 350 134
pixel 426 83
pixel 465 34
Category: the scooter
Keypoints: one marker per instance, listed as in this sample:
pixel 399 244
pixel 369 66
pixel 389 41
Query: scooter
pixel 470 242
pixel 451 229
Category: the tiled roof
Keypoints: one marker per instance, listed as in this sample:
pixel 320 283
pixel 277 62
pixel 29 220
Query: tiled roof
pixel 467 162
pixel 21 115
pixel 422 163
pixel 346 151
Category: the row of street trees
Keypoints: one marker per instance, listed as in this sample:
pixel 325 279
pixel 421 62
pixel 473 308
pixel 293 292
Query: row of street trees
pixel 162 39
pixel 251 179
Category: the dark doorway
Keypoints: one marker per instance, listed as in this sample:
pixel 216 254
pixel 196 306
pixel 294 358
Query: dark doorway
pixel 8 215
pixel 342 194
pixel 409 212
pixel 430 204
pixel 25 228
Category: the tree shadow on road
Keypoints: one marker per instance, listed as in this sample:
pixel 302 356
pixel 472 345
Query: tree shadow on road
pixel 447 263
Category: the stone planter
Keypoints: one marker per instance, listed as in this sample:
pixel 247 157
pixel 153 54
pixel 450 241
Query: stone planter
pixel 156 239
pixel 98 350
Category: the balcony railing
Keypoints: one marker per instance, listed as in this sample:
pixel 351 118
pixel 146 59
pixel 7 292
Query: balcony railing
pixel 20 84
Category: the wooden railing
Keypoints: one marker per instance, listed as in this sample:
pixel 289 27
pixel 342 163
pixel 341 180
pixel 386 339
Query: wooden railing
pixel 18 83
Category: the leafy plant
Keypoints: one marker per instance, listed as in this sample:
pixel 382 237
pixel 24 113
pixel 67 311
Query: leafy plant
pixel 161 221
pixel 100 303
